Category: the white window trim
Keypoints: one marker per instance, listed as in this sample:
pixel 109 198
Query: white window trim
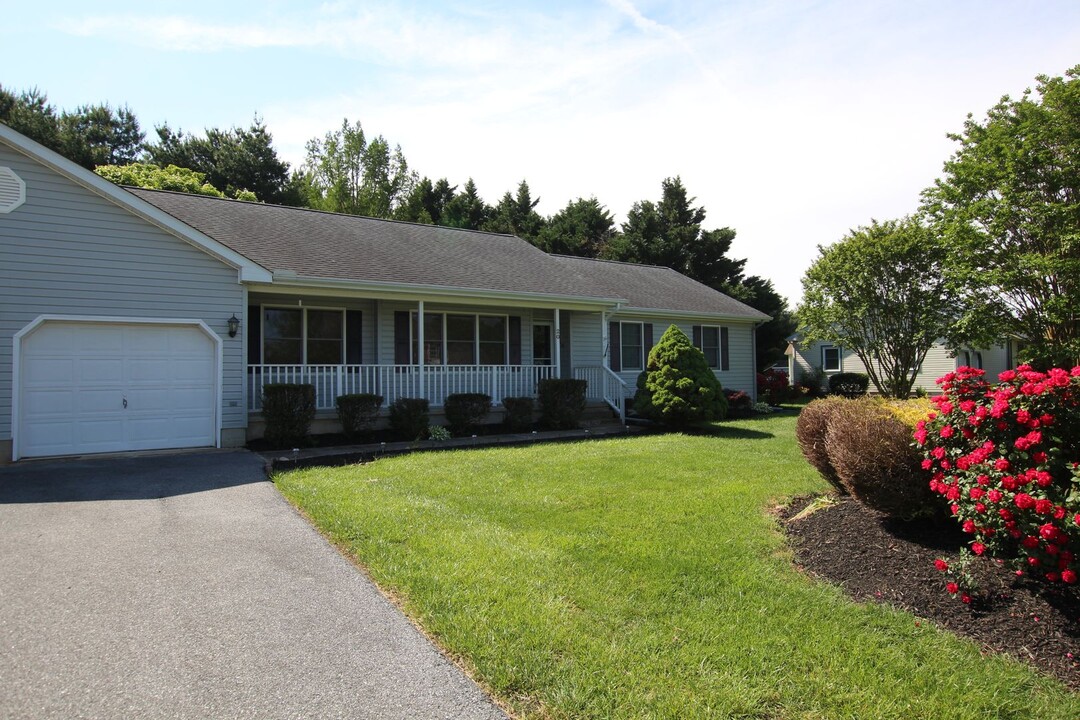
pixel 476 336
pixel 303 329
pixel 839 358
pixel 642 354
pixel 551 341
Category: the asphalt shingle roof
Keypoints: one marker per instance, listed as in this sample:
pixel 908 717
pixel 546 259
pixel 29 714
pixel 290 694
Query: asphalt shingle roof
pixel 655 288
pixel 315 244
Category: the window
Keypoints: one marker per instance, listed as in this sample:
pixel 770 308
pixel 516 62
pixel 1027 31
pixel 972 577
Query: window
pixel 710 345
pixel 542 350
pixel 492 333
pixel 830 358
pixel 297 336
pixel 631 347
pixel 461 339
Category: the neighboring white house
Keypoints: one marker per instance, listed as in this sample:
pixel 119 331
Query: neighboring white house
pixel 806 359
pixel 138 319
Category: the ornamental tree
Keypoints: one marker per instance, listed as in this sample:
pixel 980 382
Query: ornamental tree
pixel 1009 208
pixel 678 388
pixel 881 293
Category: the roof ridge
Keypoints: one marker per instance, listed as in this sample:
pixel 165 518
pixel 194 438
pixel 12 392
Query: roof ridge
pixel 322 212
pixel 612 262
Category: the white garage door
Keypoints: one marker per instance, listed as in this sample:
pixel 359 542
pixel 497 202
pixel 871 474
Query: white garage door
pixel 88 387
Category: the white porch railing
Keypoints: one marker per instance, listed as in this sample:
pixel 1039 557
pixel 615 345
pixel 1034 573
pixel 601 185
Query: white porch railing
pixel 604 384
pixel 396 381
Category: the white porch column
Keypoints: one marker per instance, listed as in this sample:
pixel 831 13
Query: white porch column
pixel 420 347
pixel 605 351
pixel 557 350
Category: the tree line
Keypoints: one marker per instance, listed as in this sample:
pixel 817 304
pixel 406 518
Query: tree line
pixel 349 171
pixel 991 256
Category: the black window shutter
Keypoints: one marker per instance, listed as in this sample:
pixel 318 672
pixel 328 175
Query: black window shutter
pixel 723 348
pixel 646 334
pixel 515 340
pixel 354 349
pixel 615 343
pixel 401 337
pixel 697 337
pixel 254 335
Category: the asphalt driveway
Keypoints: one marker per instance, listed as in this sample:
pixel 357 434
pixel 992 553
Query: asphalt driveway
pixel 185 586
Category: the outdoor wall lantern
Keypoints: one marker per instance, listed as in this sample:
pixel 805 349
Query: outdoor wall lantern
pixel 234 325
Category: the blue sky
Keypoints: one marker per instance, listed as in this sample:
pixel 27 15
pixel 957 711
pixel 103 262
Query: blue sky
pixel 791 122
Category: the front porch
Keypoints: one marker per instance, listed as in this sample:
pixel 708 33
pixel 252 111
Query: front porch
pixel 432 382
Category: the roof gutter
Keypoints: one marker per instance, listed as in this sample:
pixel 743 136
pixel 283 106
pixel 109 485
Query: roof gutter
pixel 283 280
pixel 758 320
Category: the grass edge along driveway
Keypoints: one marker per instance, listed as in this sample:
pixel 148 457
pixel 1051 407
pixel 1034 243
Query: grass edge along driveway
pixel 644 577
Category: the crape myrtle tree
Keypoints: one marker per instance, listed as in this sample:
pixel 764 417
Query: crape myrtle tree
pixel 1009 208
pixel 881 292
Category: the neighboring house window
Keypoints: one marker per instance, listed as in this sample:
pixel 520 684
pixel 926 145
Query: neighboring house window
pixel 296 336
pixel 542 349
pixel 632 348
pixel 461 339
pixel 712 340
pixel 830 358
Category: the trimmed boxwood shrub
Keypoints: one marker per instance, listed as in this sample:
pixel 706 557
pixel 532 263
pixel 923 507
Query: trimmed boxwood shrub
pixel 849 385
pixel 562 402
pixel 288 410
pixel 519 413
pixel 357 413
pixel 466 411
pixel 409 418
pixel 871 451
pixel 678 388
pixel 810 431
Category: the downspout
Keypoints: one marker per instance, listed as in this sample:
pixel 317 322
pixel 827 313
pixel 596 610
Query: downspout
pixel 558 345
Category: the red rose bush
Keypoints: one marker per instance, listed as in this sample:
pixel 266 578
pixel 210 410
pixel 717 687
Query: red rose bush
pixel 1006 458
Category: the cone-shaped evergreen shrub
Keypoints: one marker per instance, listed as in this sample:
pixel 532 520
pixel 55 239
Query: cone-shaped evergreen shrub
pixel 678 387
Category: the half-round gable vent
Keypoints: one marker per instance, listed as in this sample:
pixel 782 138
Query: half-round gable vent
pixel 12 190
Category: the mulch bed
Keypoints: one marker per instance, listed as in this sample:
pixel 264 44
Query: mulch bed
pixel 892 562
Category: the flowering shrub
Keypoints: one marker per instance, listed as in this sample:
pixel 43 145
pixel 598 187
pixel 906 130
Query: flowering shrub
pixel 773 386
pixel 1006 457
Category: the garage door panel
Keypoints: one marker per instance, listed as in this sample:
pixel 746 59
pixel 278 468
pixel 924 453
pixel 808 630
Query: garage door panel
pixel 47 371
pixel 75 377
pixel 45 403
pixel 148 370
pixel 99 370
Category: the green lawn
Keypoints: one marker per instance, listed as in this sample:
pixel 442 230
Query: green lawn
pixel 643 577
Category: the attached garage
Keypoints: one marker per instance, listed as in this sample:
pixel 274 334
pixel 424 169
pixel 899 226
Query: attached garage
pixel 94 385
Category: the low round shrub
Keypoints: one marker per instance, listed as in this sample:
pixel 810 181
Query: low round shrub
pixel 810 431
pixel 288 409
pixel 739 403
pixel 465 412
pixel 562 402
pixel 357 413
pixel 849 385
pixel 409 418
pixel 1006 458
pixel 519 413
pixel 871 451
